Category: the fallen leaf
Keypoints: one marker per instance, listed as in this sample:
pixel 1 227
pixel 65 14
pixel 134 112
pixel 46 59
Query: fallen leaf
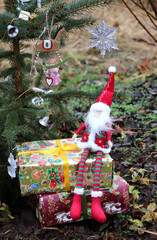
pixel 151 207
pixel 150 215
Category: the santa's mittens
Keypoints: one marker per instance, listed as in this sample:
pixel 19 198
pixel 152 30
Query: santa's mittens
pixel 96 210
pixel 76 207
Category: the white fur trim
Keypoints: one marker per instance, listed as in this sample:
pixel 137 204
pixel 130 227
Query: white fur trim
pixel 96 193
pixel 100 106
pixel 79 191
pixel 93 146
pixel 112 69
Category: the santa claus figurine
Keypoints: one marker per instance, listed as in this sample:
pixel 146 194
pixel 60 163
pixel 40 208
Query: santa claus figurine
pixel 97 138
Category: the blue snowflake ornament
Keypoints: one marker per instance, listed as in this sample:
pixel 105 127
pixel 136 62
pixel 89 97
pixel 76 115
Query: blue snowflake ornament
pixel 102 38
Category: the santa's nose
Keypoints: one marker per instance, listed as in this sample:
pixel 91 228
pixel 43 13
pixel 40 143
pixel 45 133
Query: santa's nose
pixel 97 114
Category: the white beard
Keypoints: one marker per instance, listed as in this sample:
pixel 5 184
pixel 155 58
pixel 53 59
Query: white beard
pixel 98 124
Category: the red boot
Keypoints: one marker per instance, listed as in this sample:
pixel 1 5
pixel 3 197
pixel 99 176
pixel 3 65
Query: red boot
pixel 96 209
pixel 76 207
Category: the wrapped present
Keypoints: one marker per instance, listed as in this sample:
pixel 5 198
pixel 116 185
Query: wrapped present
pixel 50 166
pixel 54 208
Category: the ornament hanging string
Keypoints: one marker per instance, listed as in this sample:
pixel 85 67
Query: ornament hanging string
pixel 49 30
pixel 33 54
pixel 23 93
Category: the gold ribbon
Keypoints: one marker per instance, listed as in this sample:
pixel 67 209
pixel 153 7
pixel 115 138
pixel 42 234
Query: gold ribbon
pixel 59 150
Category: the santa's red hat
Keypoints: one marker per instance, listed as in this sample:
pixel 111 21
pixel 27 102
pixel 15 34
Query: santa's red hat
pixel 104 101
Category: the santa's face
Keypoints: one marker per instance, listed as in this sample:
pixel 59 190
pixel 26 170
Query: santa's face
pixel 97 113
pixel 98 120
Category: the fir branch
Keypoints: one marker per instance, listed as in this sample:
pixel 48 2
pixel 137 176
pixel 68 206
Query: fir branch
pixel 78 23
pixel 77 7
pixel 28 61
pixel 5 54
pixel 7 71
pixel 55 8
pixel 73 8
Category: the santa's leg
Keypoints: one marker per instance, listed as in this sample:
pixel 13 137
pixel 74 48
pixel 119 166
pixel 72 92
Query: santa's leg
pixel 96 209
pixel 76 207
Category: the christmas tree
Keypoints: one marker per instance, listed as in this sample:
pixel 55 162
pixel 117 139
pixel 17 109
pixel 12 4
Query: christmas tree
pixel 35 21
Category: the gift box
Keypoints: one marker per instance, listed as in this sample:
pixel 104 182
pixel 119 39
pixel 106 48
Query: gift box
pixel 54 208
pixel 50 166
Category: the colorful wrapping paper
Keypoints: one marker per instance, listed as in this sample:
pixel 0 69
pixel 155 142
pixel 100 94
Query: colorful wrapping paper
pixel 44 173
pixel 54 208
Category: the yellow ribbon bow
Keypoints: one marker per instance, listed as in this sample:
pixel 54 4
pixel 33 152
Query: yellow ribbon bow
pixel 59 150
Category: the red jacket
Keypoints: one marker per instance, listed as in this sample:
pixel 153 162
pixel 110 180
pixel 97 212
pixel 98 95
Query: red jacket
pixel 101 140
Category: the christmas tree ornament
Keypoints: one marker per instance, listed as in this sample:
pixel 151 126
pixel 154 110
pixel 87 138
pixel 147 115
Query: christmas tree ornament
pixel 32 16
pixel 103 38
pixel 50 45
pixel 49 81
pixel 97 138
pixel 38 101
pixel 23 1
pixel 24 15
pixel 39 3
pixel 12 167
pixel 12 31
pixel 42 91
pixel 52 75
pixel 44 121
pixel 8 78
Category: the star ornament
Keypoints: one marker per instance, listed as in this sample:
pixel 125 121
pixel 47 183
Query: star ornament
pixel 103 38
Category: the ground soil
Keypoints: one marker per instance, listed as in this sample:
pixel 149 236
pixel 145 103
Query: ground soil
pixel 136 47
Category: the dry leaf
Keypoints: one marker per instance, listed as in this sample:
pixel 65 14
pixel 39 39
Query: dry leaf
pixel 150 216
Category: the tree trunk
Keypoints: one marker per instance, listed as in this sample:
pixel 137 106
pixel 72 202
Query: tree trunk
pixel 18 75
pixel 16 52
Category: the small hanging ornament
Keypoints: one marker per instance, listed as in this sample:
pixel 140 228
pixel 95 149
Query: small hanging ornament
pixel 8 79
pixel 13 166
pixel 51 44
pixel 23 1
pixel 42 91
pixel 38 101
pixel 39 3
pixel 45 122
pixel 49 81
pixel 102 38
pixel 32 16
pixel 12 31
pixel 24 15
pixel 52 75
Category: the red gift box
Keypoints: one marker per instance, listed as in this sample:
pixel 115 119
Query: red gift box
pixel 54 208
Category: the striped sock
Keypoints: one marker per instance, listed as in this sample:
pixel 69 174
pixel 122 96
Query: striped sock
pixel 81 168
pixel 97 171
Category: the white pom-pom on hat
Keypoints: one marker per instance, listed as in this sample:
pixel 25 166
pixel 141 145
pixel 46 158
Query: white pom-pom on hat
pixel 112 69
